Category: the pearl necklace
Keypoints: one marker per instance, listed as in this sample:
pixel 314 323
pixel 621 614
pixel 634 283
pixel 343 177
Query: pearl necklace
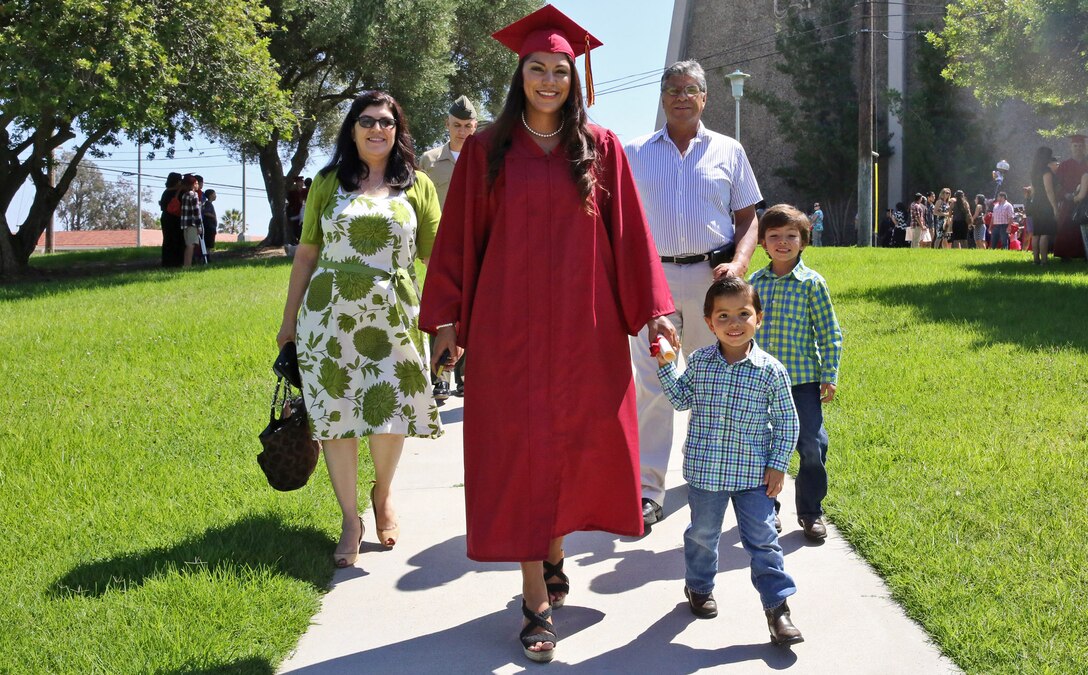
pixel 537 133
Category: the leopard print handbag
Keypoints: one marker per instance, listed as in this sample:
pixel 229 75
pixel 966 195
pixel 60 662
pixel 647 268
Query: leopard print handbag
pixel 290 453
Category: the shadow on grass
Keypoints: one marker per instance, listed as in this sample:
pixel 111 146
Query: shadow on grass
pixel 248 666
pixel 52 281
pixel 252 543
pixel 1011 302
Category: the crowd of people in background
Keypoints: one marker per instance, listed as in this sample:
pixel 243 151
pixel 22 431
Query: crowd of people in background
pixel 188 220
pixel 1047 222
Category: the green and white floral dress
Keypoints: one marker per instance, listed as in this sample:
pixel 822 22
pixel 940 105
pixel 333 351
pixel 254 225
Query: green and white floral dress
pixel 364 362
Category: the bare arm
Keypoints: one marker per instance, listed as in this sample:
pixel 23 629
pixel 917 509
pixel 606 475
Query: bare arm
pixel 744 236
pixel 303 267
pixel 1048 183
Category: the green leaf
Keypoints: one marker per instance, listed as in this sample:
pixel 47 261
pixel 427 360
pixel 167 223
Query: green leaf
pixel 332 378
pixel 411 379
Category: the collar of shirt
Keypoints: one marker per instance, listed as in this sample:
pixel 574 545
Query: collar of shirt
pixel 800 272
pixel 662 136
pixel 756 357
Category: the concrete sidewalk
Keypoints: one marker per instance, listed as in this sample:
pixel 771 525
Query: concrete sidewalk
pixel 424 607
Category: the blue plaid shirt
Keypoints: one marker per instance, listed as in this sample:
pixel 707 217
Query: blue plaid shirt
pixel 799 324
pixel 742 417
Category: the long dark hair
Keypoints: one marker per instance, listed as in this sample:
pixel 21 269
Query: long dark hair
pixel 1038 167
pixel 400 171
pixel 576 138
pixel 961 207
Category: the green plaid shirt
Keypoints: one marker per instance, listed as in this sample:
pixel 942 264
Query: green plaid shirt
pixel 742 417
pixel 799 324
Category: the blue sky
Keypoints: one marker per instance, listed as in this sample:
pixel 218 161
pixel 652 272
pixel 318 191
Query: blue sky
pixel 635 35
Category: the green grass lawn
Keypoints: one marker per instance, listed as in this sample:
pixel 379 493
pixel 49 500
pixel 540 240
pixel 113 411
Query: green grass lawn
pixel 138 533
pixel 115 256
pixel 140 536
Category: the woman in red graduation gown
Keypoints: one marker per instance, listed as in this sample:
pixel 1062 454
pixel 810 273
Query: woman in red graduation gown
pixel 542 268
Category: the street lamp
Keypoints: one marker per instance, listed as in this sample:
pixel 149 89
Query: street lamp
pixel 736 79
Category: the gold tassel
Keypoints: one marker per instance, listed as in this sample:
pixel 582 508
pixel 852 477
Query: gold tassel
pixel 589 77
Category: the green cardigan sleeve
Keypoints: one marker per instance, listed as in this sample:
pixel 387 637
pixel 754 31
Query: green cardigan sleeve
pixel 320 198
pixel 424 199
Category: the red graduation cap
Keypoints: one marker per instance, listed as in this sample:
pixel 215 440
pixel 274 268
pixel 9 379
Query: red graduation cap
pixel 552 31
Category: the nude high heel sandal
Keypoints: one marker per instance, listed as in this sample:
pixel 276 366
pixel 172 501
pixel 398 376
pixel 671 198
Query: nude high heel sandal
pixel 387 537
pixel 346 559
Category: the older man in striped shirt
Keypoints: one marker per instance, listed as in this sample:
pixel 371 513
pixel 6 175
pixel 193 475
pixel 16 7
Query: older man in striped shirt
pixel 700 196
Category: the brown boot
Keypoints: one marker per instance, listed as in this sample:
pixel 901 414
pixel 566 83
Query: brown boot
pixel 702 605
pixel 814 528
pixel 783 632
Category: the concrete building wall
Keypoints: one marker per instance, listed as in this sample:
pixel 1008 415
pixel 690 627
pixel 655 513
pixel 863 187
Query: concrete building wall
pixel 727 34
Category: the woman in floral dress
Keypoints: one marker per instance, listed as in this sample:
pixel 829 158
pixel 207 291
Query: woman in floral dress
pixel 353 307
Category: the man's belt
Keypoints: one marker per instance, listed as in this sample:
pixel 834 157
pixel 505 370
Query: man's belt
pixel 685 259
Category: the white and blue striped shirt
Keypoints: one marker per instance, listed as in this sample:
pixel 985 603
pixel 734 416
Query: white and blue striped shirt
pixel 689 198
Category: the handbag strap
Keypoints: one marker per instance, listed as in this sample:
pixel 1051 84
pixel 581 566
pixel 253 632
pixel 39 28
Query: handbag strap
pixel 275 398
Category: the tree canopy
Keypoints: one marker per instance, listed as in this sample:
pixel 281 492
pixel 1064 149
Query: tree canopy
pixel 143 68
pixel 1032 50
pixel 268 77
pixel 424 52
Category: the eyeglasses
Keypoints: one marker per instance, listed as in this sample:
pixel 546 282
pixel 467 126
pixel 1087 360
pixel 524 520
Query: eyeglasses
pixel 368 122
pixel 690 90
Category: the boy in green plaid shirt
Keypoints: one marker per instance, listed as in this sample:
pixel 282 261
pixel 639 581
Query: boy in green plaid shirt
pixel 800 330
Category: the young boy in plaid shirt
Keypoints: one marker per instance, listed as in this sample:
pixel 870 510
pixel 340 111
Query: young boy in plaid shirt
pixel 740 436
pixel 800 330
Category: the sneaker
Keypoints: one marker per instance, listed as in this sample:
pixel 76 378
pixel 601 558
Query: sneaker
pixel 441 391
pixel 651 512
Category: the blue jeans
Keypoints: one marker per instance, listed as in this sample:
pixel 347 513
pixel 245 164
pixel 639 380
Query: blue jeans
pixel 999 236
pixel 811 485
pixel 755 520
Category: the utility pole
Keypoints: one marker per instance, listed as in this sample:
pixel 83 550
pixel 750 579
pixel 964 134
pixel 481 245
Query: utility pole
pixel 865 125
pixel 242 235
pixel 139 194
pixel 49 247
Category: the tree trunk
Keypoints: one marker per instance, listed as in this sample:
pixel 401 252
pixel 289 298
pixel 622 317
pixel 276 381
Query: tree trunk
pixel 9 263
pixel 15 250
pixel 276 189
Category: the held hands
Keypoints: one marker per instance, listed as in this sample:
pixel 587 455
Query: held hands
pixel 445 340
pixel 662 327
pixel 774 480
pixel 827 392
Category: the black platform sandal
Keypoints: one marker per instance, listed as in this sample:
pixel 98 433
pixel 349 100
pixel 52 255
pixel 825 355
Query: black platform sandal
pixel 538 630
pixel 562 586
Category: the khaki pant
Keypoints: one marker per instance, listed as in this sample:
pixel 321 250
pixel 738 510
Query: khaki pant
pixel 688 284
